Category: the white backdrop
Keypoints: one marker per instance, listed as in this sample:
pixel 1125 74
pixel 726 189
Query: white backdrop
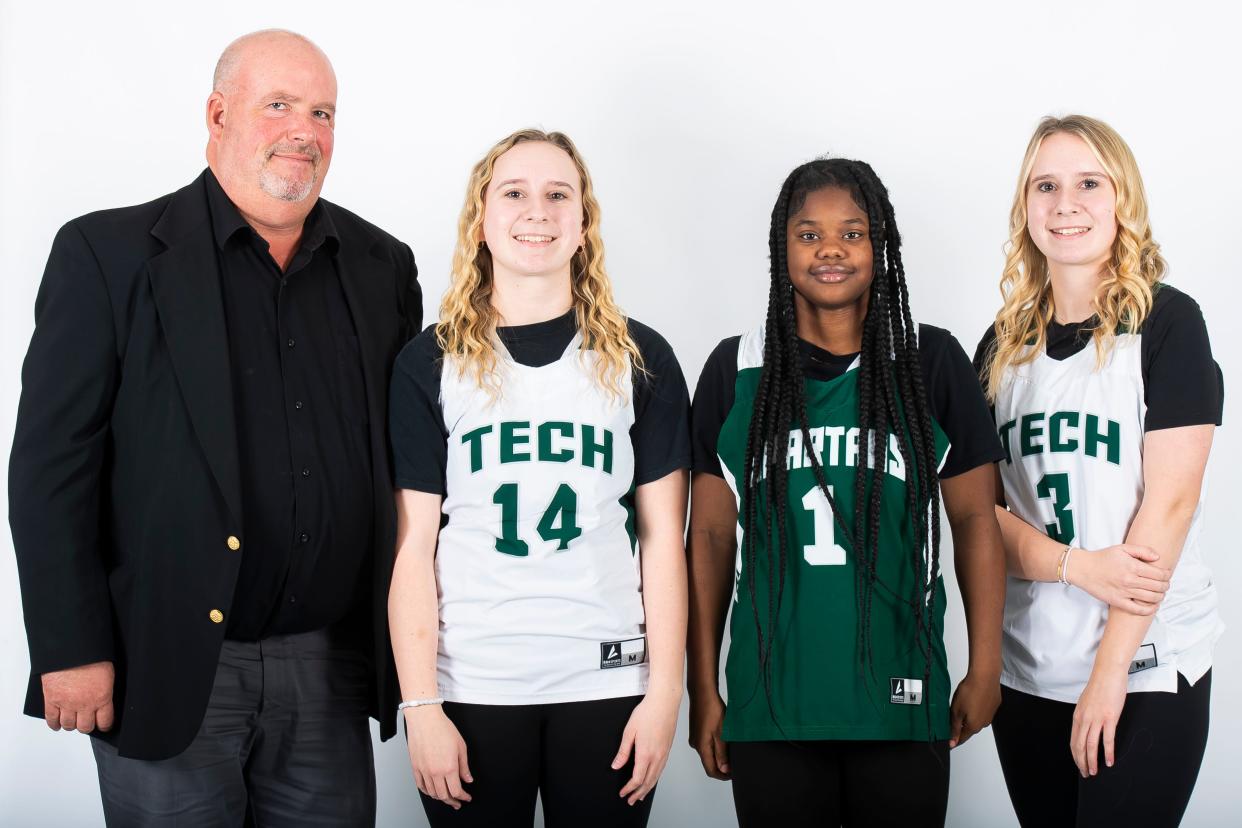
pixel 689 115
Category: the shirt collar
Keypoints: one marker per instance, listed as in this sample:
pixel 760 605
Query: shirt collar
pixel 227 221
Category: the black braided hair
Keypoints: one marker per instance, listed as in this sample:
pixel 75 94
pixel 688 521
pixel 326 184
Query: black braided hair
pixel 891 401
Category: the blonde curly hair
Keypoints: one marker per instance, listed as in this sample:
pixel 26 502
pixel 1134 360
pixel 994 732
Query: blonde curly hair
pixel 467 328
pixel 1124 296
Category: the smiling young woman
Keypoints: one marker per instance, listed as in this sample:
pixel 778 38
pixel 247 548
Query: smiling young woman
pixel 1110 615
pixel 838 688
pixel 540 439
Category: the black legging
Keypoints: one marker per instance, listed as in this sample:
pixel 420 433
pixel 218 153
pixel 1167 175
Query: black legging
pixel 828 784
pixel 1159 747
pixel 562 752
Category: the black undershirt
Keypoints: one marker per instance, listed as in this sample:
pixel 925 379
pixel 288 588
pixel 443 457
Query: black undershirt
pixel 302 431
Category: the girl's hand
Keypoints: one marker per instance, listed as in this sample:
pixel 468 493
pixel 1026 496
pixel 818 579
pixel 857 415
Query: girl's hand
pixel 974 704
pixel 1123 576
pixel 649 735
pixel 1095 717
pixel 706 720
pixel 437 755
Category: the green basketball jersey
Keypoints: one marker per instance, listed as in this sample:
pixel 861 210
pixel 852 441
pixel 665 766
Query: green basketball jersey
pixel 821 686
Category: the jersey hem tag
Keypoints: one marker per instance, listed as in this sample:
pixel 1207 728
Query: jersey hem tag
pixel 1144 659
pixel 625 653
pixel 905 691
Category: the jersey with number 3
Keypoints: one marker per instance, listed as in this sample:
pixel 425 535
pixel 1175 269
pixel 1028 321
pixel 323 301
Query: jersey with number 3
pixel 537 565
pixel 1073 439
pixel 821 688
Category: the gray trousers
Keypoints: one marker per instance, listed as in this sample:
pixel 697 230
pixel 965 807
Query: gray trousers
pixel 285 741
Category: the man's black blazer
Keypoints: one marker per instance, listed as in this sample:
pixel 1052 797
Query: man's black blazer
pixel 123 481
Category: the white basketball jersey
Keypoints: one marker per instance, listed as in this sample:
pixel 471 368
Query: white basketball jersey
pixel 1073 438
pixel 539 580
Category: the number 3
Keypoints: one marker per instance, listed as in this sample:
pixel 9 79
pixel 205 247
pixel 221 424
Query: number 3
pixel 1055 487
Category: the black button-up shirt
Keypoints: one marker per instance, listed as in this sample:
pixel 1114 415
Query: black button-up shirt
pixel 302 428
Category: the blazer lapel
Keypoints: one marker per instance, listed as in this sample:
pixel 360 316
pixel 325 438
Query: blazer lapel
pixel 185 283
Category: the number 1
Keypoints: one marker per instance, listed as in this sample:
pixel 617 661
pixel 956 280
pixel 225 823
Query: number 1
pixel 825 551
pixel 509 543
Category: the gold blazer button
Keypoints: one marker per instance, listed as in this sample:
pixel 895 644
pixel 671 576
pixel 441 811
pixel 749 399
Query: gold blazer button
pixel 216 616
pixel 233 543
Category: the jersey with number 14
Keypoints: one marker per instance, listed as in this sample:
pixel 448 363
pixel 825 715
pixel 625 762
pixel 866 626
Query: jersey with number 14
pixel 537 562
pixel 821 687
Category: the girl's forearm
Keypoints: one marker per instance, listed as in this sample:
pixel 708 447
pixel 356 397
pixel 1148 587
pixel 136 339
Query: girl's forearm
pixel 1163 528
pixel 1173 464
pixel 979 561
pixel 661 513
pixel 664 601
pixel 413 620
pixel 1029 553
pixel 711 571
pixel 413 601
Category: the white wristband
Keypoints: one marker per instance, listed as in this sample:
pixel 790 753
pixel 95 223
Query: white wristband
pixel 419 703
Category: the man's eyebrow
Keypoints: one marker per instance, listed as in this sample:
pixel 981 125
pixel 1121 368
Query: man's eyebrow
pixel 289 97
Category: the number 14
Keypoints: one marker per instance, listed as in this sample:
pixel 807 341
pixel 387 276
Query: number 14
pixel 559 522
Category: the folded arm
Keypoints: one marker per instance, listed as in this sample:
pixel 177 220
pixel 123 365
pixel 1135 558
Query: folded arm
pixel 1174 461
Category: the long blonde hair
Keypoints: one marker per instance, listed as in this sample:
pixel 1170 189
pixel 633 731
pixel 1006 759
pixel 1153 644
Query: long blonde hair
pixel 467 326
pixel 1135 265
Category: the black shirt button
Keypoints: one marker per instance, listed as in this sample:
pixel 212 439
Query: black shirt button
pixel 293 599
pixel 306 472
pixel 304 538
pixel 298 405
pixel 291 342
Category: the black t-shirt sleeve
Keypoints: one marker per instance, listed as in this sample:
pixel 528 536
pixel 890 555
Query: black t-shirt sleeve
pixel 415 420
pixel 1183 385
pixel 957 402
pixel 713 397
pixel 661 430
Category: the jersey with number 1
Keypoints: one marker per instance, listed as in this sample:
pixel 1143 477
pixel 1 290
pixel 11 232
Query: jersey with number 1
pixel 1073 434
pixel 821 687
pixel 538 571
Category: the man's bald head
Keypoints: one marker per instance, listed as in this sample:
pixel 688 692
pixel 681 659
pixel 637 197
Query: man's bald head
pixel 231 60
pixel 270 121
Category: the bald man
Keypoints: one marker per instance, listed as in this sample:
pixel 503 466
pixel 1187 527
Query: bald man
pixel 199 487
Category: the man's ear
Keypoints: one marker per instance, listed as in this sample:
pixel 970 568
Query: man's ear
pixel 215 114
